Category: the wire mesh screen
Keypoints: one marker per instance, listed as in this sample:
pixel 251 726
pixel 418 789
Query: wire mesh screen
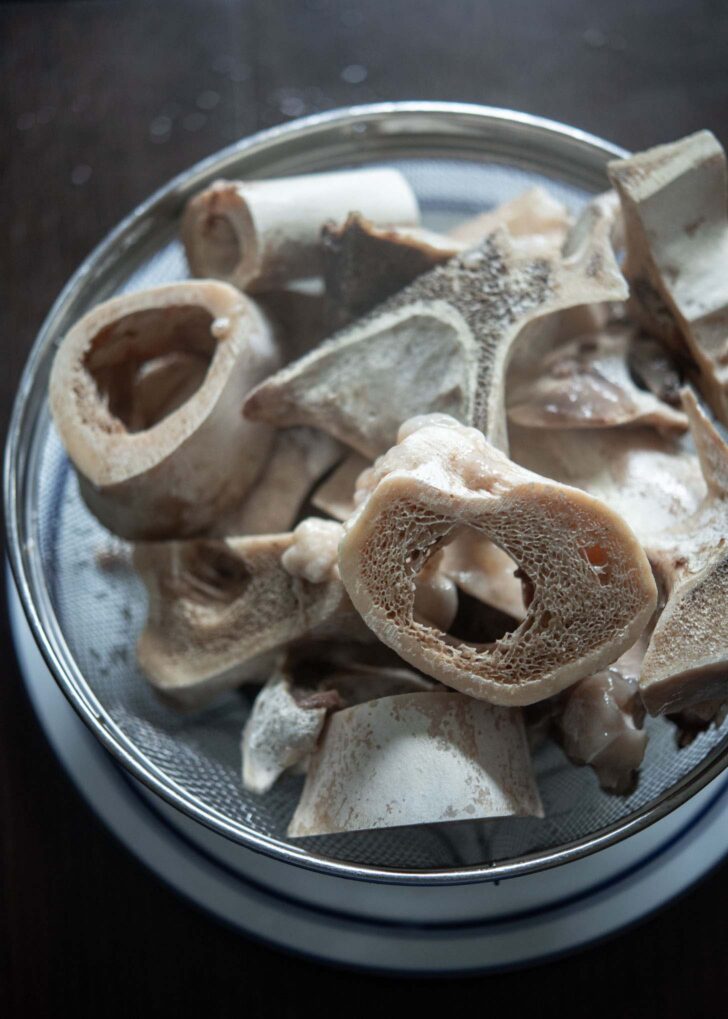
pixel 100 606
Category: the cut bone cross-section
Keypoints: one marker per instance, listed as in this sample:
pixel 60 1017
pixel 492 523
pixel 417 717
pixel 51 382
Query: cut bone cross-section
pixel 593 590
pixel 262 234
pixel 216 606
pixel 443 344
pixel 416 758
pixel 674 202
pixel 146 392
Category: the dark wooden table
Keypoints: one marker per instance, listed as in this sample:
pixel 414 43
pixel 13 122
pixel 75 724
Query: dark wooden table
pixel 101 103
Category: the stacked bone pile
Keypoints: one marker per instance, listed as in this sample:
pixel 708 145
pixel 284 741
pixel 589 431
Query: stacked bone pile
pixel 438 496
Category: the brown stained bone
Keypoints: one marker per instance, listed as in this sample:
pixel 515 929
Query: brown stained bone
pixel 300 314
pixel 287 717
pixel 693 721
pixel 368 770
pixel 216 606
pixel 674 203
pixel 655 368
pixel 299 457
pixel 262 234
pixel 586 383
pixel 535 220
pixel 364 264
pixel 687 658
pixel 335 496
pixel 444 343
pixel 152 470
pixel 593 590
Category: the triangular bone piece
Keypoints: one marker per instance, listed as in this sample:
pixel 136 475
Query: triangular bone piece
pixel 335 496
pixel 368 771
pixel 586 383
pixel 444 343
pixel 170 468
pixel 536 221
pixel 364 264
pixel 687 658
pixel 216 606
pixel 261 234
pixel 593 591
pixel 674 202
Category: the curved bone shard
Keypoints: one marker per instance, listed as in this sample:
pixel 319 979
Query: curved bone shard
pixel 593 590
pixel 261 234
pixel 299 457
pixel 536 221
pixel 586 383
pixel 335 496
pixel 216 606
pixel 687 658
pixel 192 461
pixel 278 734
pixel 419 758
pixel 674 204
pixel 364 264
pixel 443 344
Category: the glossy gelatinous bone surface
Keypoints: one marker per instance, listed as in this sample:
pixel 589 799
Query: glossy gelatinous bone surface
pixel 593 591
pixel 150 466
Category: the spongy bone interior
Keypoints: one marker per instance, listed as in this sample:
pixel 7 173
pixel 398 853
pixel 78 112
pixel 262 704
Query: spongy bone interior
pixel 148 363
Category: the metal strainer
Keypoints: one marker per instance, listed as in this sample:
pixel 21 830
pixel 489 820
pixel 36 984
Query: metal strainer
pixel 86 606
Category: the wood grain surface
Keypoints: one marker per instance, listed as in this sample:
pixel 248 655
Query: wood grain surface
pixel 102 102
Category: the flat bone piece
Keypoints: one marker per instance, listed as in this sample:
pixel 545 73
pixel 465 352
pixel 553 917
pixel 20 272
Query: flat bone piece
pixel 190 462
pixel 364 264
pixel 261 234
pixel 335 496
pixel 444 343
pixel 674 203
pixel 536 221
pixel 687 658
pixel 287 719
pixel 299 457
pixel 586 383
pixel 216 606
pixel 418 758
pixel 593 590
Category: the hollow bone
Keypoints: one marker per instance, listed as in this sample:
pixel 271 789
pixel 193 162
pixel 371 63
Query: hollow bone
pixel 674 203
pixel 593 590
pixel 443 344
pixel 183 470
pixel 262 234
pixel 416 758
pixel 216 606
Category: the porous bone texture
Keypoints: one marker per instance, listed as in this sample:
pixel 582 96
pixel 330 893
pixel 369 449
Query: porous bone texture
pixel 593 591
